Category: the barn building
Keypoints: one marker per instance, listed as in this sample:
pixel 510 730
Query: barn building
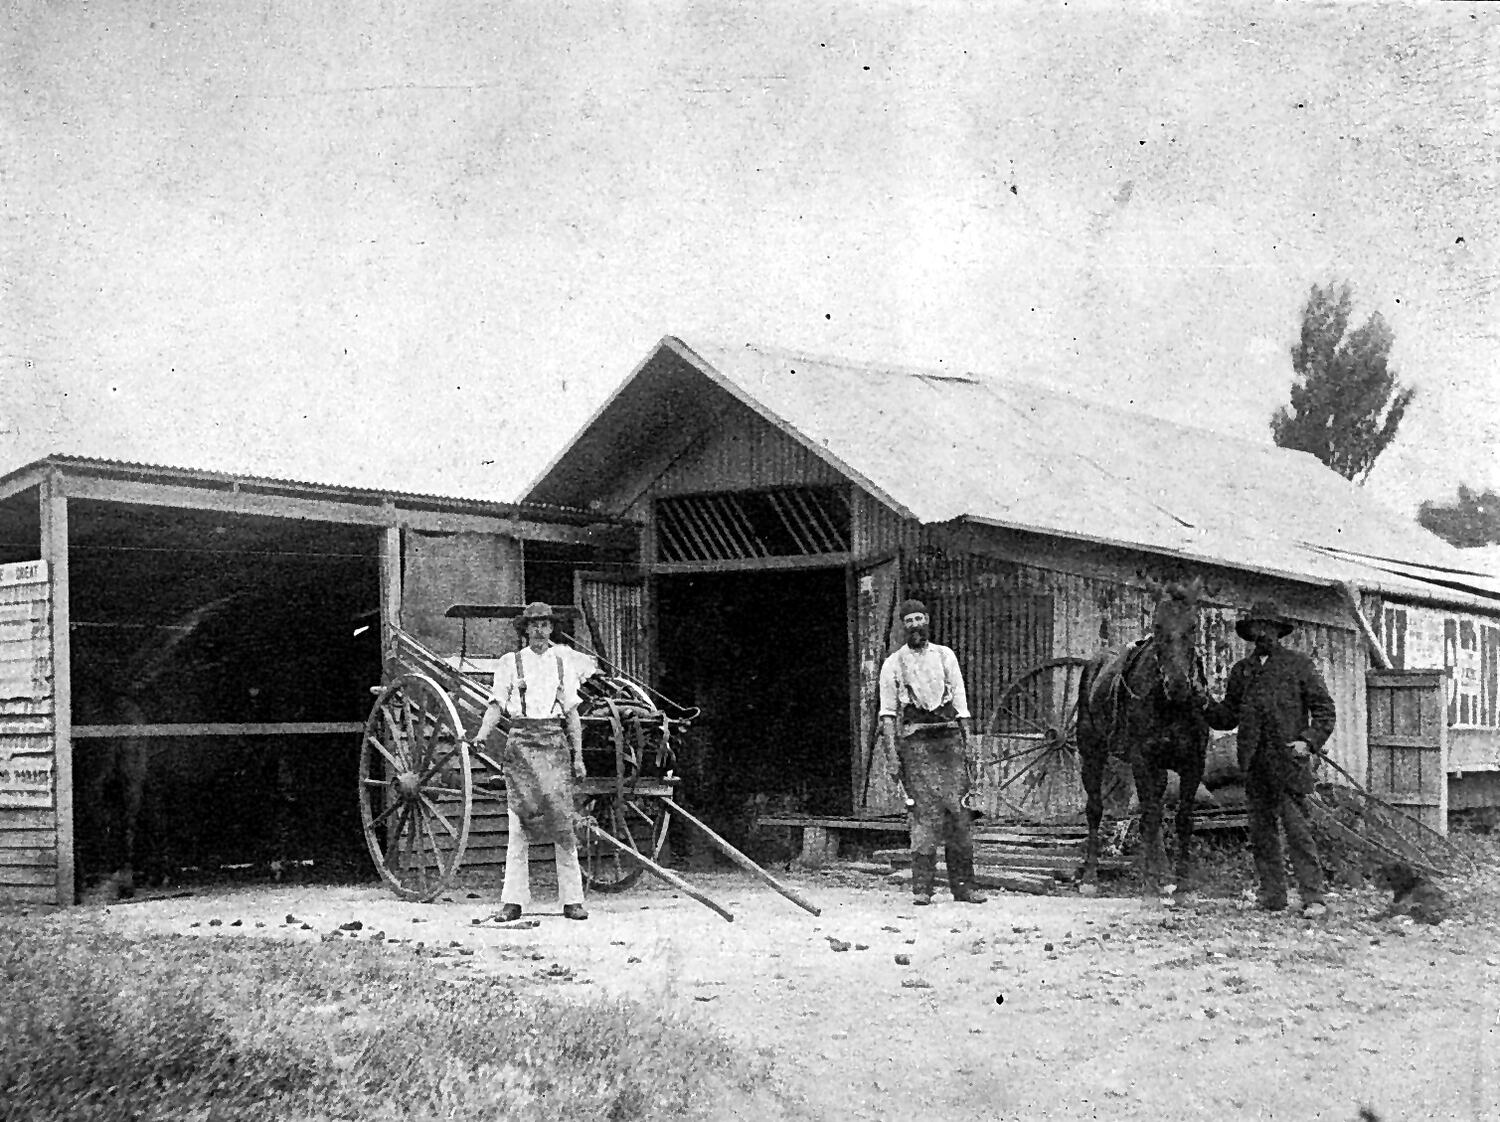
pixel 788 502
pixel 230 627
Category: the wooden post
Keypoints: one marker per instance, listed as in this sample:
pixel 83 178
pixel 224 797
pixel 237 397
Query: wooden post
pixel 1377 649
pixel 54 525
pixel 390 585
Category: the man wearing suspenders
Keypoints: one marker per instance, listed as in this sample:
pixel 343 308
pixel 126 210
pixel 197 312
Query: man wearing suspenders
pixel 542 757
pixel 923 716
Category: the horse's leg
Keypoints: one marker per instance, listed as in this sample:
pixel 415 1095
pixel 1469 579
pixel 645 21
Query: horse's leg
pixel 1191 776
pixel 1150 789
pixel 133 766
pixel 1093 753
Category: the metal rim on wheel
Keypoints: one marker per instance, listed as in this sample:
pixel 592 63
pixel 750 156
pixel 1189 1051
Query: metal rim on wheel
pixel 1036 717
pixel 629 820
pixel 415 787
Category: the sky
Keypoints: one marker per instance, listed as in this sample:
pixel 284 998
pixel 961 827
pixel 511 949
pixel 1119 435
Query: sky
pixel 416 246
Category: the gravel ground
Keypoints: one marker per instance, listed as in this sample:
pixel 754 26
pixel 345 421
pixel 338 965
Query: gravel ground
pixel 1025 1007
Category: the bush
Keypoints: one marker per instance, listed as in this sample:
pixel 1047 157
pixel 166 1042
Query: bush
pixel 97 1027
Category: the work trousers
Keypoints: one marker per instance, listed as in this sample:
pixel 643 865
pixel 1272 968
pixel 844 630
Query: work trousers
pixel 1271 804
pixel 936 780
pixel 517 887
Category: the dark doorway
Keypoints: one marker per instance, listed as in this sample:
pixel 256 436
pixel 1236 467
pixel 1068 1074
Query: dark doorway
pixel 766 657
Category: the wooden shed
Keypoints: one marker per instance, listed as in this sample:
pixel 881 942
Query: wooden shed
pixel 789 502
pixel 231 627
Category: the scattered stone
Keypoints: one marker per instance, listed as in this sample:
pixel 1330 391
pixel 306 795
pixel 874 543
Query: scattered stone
pixel 237 923
pixel 291 919
pixel 1046 946
pixel 352 925
pixel 903 960
pixel 915 984
pixel 195 923
pixel 378 937
pixel 909 942
pixel 307 927
pixel 259 924
pixel 705 997
pixel 454 943
pixel 632 958
pixel 472 896
pixel 617 942
pixel 861 946
pixel 418 919
pixel 888 927
pixel 466 951
pixel 836 944
pixel 215 923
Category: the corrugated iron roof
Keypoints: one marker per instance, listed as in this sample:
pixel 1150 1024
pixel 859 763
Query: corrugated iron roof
pixel 95 464
pixel 940 446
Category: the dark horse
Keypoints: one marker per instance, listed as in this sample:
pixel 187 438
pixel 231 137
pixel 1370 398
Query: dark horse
pixel 1145 704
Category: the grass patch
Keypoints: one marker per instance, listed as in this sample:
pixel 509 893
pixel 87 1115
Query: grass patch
pixel 99 1027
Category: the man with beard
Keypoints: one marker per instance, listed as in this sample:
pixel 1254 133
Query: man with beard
pixel 1277 700
pixel 538 694
pixel 924 717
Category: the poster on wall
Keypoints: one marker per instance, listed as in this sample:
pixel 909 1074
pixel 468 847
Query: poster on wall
pixel 26 782
pixel 1466 647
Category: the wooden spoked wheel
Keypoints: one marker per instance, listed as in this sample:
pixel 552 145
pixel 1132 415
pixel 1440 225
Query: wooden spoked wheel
pixel 640 823
pixel 1035 726
pixel 415 789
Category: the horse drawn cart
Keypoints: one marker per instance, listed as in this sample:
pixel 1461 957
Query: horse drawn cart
pixel 421 772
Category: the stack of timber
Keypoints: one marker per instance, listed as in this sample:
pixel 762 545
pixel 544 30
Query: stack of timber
pixel 1016 858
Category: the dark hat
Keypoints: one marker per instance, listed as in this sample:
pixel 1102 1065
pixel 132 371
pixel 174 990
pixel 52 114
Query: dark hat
pixel 537 609
pixel 909 606
pixel 1264 611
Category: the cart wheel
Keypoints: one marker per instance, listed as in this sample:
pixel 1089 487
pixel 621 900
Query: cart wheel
pixel 415 790
pixel 1036 722
pixel 641 823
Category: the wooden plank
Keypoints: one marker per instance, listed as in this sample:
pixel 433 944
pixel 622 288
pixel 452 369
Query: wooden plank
pixel 752 564
pixel 54 532
pixel 898 825
pixel 28 893
pixel 12 838
pixel 28 857
pixel 390 580
pixel 1427 742
pixel 29 819
pixel 37 876
pixel 208 728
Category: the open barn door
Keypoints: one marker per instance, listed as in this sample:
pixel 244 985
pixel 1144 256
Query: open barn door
pixel 613 619
pixel 877 590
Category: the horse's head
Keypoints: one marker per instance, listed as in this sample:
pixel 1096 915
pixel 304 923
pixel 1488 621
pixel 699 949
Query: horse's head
pixel 1174 627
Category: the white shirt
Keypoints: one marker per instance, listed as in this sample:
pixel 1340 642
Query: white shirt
pixel 926 678
pixel 541 674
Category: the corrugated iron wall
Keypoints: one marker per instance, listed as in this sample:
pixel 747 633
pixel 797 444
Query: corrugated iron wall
pixel 987 608
pixel 28 814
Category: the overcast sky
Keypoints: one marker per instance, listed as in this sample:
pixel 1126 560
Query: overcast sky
pixel 382 244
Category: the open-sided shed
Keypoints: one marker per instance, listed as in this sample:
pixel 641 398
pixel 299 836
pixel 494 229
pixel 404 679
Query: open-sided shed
pixel 790 501
pixel 228 629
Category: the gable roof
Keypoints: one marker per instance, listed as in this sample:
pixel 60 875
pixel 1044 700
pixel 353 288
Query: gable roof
pixel 941 446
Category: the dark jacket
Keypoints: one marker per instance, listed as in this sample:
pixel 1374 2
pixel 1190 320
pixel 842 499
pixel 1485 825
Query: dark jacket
pixel 1272 705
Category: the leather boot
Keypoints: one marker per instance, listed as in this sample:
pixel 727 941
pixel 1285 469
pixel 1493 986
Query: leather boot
pixel 923 874
pixel 961 875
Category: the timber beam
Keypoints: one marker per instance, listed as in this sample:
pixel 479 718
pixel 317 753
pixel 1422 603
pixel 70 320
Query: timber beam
pixel 237 500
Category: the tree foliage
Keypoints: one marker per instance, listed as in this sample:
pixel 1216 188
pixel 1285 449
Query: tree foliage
pixel 1345 403
pixel 1471 521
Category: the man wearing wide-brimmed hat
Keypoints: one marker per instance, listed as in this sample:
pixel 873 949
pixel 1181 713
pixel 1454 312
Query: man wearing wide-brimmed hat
pixel 538 695
pixel 1279 703
pixel 924 714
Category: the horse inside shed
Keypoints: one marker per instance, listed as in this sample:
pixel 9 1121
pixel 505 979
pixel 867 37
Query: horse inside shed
pixel 221 666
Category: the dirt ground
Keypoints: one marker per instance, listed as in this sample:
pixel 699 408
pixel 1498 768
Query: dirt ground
pixel 1026 1007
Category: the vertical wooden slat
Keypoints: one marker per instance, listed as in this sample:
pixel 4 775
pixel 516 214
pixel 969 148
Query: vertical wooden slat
pixel 390 585
pixel 54 519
